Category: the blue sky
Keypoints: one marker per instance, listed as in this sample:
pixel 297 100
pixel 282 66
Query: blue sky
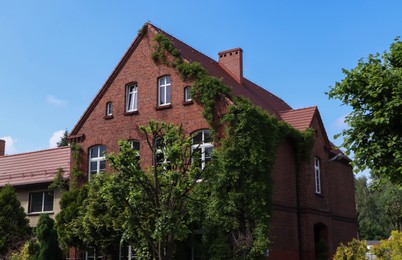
pixel 56 55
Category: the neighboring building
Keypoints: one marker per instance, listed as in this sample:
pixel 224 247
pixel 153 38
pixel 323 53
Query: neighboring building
pixel 313 204
pixel 30 174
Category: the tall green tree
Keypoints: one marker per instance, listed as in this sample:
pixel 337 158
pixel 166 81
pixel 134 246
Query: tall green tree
pixel 373 89
pixel 391 205
pixel 47 240
pixel 63 140
pixel 371 218
pixel 14 224
pixel 160 199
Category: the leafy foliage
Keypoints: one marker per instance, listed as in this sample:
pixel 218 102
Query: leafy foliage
pixel 47 240
pixel 354 250
pixel 159 199
pixel 69 219
pixel 374 91
pixel 239 209
pixel 14 227
pixel 391 248
pixel 379 209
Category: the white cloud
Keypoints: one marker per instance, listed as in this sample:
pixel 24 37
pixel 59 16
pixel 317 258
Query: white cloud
pixel 340 122
pixel 10 144
pixel 55 138
pixel 55 101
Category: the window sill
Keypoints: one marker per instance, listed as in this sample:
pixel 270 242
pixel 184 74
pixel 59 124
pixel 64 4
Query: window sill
pixel 163 107
pixel 319 195
pixel 108 117
pixel 186 103
pixel 41 212
pixel 131 113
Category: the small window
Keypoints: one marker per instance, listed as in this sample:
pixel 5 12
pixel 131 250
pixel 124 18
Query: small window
pixel 317 175
pixel 40 202
pixel 164 91
pixel 202 144
pixel 109 109
pixel 187 94
pixel 97 160
pixel 131 97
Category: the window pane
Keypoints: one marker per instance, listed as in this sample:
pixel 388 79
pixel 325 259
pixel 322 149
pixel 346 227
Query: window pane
pixel 93 167
pixel 197 138
pixel 102 151
pixel 94 151
pixel 135 97
pixel 167 80
pixel 48 204
pixel 167 94
pixel 135 144
pixel 102 166
pixel 207 136
pixel 36 202
pixel 161 95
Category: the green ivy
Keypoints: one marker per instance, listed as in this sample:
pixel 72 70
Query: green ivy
pixel 240 204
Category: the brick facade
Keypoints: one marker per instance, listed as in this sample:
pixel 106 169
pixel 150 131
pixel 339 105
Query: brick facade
pixel 297 208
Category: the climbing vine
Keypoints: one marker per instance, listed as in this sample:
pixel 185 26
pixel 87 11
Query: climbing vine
pixel 239 207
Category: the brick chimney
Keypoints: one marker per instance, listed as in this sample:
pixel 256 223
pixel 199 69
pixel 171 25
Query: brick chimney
pixel 2 147
pixel 232 62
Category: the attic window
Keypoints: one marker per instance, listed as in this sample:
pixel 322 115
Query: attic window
pixel 164 91
pixel 131 97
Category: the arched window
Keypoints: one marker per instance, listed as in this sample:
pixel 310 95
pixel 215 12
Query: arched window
pixel 202 146
pixel 164 91
pixel 97 160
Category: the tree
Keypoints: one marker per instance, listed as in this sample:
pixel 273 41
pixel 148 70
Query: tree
pixel 374 91
pixel 391 204
pixel 390 248
pixel 63 140
pixel 372 222
pixel 69 219
pixel 14 224
pixel 47 241
pixel 160 199
pixel 354 250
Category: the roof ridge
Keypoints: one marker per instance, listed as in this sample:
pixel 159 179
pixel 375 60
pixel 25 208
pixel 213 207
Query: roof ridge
pixel 297 109
pixel 34 152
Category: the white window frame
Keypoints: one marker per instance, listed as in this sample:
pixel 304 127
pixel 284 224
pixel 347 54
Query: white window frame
pixel 109 109
pixel 203 146
pixel 164 90
pixel 43 202
pixel 187 94
pixel 317 175
pixel 131 97
pixel 98 159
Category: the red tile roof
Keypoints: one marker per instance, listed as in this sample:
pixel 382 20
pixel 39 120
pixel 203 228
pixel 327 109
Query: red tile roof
pixel 248 89
pixel 34 167
pixel 299 118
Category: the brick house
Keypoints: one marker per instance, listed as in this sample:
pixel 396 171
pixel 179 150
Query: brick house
pixel 30 174
pixel 312 203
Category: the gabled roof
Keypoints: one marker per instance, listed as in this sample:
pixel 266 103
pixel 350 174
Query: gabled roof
pixel 255 93
pixel 34 167
pixel 299 118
